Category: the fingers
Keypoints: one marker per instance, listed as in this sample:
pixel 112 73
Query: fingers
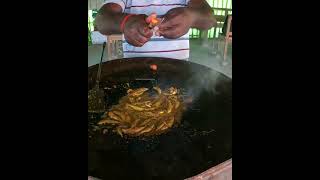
pixel 137 32
pixel 174 19
pixel 174 32
pixel 145 31
pixel 134 42
pixel 170 33
pixel 136 39
pixel 167 24
pixel 150 17
pixel 138 43
pixel 171 18
pixel 168 29
pixel 140 38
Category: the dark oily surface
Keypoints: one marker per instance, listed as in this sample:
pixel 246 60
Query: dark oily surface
pixel 202 140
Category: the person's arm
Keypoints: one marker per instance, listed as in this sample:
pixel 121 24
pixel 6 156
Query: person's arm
pixel 136 31
pixel 109 18
pixel 198 14
pixel 203 15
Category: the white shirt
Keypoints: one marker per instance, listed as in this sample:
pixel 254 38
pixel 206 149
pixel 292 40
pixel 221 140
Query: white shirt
pixel 156 46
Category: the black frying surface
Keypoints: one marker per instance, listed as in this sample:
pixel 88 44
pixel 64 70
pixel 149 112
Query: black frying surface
pixel 202 140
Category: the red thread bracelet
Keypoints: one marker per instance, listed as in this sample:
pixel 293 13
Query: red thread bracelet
pixel 123 22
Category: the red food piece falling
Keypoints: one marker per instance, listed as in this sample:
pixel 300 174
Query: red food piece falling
pixel 154 67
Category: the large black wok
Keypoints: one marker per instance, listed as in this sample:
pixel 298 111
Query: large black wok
pixel 203 139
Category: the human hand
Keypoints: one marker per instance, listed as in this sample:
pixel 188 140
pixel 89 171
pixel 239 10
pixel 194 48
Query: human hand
pixel 177 23
pixel 136 31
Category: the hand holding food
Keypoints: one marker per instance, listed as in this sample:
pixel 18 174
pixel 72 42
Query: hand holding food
pixel 177 22
pixel 136 31
pixel 154 22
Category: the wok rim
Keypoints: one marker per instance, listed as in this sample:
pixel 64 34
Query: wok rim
pixel 160 59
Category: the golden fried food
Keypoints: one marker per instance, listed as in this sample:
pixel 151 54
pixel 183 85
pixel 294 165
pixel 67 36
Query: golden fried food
pixel 169 107
pixel 137 92
pixel 147 129
pixel 157 89
pixel 137 108
pixel 120 114
pixel 119 131
pixel 108 121
pixel 134 130
pixel 161 126
pixel 171 91
pixel 140 114
pixel 170 121
pixel 177 104
pixel 113 116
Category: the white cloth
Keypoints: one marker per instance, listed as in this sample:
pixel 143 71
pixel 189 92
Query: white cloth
pixel 98 38
pixel 157 46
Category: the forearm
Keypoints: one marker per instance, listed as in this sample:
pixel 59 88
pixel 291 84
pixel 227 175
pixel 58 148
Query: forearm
pixel 202 15
pixel 109 18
